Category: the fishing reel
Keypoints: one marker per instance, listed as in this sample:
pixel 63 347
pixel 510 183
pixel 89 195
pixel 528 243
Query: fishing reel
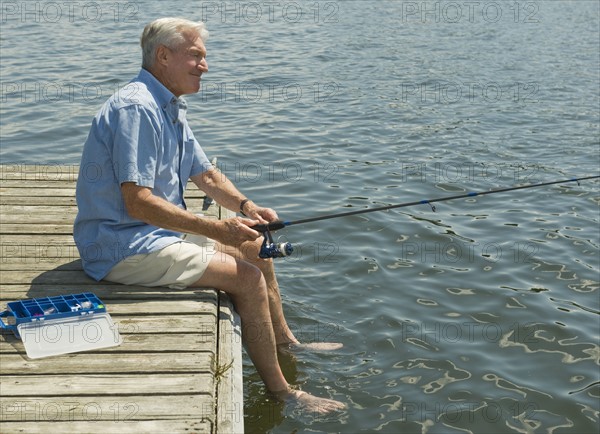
pixel 270 249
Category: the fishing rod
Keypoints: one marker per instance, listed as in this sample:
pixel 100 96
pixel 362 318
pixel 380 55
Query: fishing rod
pixel 271 250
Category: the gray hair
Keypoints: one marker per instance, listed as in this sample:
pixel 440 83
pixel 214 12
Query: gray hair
pixel 167 32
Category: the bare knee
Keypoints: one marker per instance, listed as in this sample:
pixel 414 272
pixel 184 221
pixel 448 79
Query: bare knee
pixel 249 284
pixel 232 275
pixel 248 252
pixel 251 249
pixel 250 276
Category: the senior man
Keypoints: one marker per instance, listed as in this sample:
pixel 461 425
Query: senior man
pixel 133 226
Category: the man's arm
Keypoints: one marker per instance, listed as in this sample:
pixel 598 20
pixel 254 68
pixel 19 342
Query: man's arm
pixel 142 205
pixel 215 184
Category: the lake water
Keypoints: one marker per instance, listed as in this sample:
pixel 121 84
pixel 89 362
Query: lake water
pixel 482 316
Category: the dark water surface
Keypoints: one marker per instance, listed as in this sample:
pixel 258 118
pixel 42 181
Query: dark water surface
pixel 480 317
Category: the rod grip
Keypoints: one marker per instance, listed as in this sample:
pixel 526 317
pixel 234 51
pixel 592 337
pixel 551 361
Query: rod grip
pixel 272 226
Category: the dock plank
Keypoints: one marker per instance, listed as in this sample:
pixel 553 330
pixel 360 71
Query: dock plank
pixel 106 291
pixel 178 368
pixel 111 426
pixel 96 385
pixel 92 363
pixel 137 343
pixel 101 408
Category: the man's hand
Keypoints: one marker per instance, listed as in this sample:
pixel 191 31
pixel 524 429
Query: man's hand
pixel 263 215
pixel 235 231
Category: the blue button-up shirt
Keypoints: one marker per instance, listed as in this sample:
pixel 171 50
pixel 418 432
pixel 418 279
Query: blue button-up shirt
pixel 139 135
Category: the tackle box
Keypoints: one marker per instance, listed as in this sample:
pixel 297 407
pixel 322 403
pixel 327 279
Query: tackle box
pixel 50 326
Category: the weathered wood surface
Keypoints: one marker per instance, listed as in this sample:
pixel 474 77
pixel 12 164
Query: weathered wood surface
pixel 166 376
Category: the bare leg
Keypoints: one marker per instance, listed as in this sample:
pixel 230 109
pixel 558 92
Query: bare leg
pixel 285 339
pixel 247 288
pixel 249 252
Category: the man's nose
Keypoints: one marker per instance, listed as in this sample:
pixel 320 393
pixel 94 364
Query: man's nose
pixel 203 65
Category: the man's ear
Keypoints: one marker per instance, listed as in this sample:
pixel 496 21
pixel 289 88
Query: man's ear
pixel 162 55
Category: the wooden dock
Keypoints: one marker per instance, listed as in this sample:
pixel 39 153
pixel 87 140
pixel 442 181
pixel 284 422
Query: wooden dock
pixel 179 366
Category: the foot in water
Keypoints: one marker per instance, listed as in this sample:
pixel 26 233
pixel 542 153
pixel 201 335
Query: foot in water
pixel 293 347
pixel 308 404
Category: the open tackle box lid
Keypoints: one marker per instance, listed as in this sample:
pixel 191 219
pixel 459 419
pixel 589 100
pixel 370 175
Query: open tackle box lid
pixel 49 326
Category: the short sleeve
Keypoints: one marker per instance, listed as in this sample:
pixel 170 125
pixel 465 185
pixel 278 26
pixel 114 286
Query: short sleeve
pixel 135 146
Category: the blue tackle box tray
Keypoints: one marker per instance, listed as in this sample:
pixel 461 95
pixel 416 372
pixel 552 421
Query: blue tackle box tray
pixel 47 308
pixel 62 324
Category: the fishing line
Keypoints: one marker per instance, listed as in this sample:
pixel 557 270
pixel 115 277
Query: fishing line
pixel 271 250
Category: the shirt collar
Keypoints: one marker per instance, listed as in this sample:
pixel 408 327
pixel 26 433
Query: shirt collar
pixel 164 97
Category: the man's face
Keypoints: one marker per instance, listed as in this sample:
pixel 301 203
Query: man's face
pixel 186 64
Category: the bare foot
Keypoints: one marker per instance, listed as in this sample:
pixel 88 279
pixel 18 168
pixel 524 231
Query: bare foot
pixel 308 404
pixel 294 347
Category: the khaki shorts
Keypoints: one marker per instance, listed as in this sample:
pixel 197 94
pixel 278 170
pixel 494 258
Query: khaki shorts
pixel 177 266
